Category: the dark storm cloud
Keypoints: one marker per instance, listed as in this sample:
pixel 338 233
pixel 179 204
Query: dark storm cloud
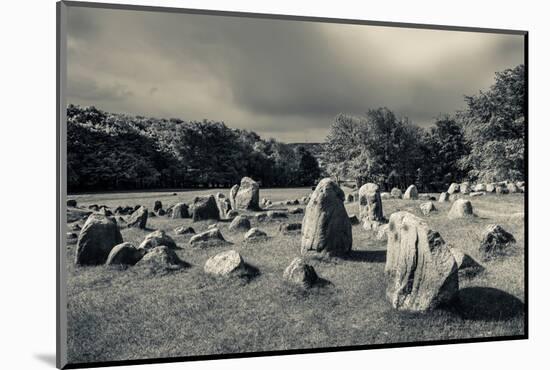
pixel 280 78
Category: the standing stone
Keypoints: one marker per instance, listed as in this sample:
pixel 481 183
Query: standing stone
pixel 411 193
pixel 495 242
pixel 232 195
pixel 444 197
pixel 248 195
pixel 205 208
pixel 420 270
pixel 71 202
pixel 157 206
pixel 224 205
pixel 157 238
pixel 467 266
pixel 453 188
pixel 300 273
pixel 370 203
pixel 180 210
pixel 396 193
pixel 491 188
pixel 461 208
pixel 512 188
pixel 465 188
pixel 125 254
pixel 427 208
pixel 385 195
pixel 500 189
pixel 96 240
pixel 138 218
pixel 326 227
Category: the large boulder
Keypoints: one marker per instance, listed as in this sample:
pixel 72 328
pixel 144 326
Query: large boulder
pixel 300 273
pixel 96 240
pixel 224 205
pixel 411 193
pixel 248 195
pixel 421 271
pixel 161 259
pixel 228 263
pixel 209 238
pixel 205 208
pixel 138 218
pixel 396 193
pixel 125 254
pixel 240 223
pixel 443 197
pixel 180 210
pixel 496 242
pixel 326 228
pixel 453 188
pixel 233 195
pixel 461 208
pixel 370 203
pixel 156 239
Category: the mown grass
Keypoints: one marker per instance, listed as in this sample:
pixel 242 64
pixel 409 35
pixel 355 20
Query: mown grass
pixel 123 314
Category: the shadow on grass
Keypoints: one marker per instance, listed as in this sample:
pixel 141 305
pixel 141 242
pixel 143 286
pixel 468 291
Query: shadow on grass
pixel 488 304
pixel 366 256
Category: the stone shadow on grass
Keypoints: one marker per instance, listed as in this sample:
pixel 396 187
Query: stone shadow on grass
pixel 487 304
pixel 366 256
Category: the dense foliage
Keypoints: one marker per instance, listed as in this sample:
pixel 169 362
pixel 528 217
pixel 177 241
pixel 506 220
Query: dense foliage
pixel 115 151
pixel 485 142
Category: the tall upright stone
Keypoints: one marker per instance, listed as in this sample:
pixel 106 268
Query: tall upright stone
pixel 232 195
pixel 180 210
pixel 453 188
pixel 461 208
pixel 96 240
pixel 326 228
pixel 248 195
pixel 421 272
pixel 205 208
pixel 224 205
pixel 411 193
pixel 370 203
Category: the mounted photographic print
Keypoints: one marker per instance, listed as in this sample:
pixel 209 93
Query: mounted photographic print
pixel 235 184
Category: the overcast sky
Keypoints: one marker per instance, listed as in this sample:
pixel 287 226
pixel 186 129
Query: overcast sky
pixel 282 79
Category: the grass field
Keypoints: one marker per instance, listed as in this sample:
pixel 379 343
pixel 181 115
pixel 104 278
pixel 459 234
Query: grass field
pixel 122 314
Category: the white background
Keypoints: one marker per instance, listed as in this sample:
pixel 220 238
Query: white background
pixel 27 319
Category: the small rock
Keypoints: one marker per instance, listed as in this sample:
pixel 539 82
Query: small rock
pixel 209 238
pixel 296 211
pixel 461 208
pixel 427 208
pixel 225 264
pixel 138 218
pixel 240 223
pixel 71 202
pixel 182 230
pixel 125 254
pixel 496 242
pixel 161 259
pixel 254 233
pixel 156 239
pixel 286 228
pixel 300 273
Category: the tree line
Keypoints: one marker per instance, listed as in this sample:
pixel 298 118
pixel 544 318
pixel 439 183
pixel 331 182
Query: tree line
pixel 484 142
pixel 108 151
